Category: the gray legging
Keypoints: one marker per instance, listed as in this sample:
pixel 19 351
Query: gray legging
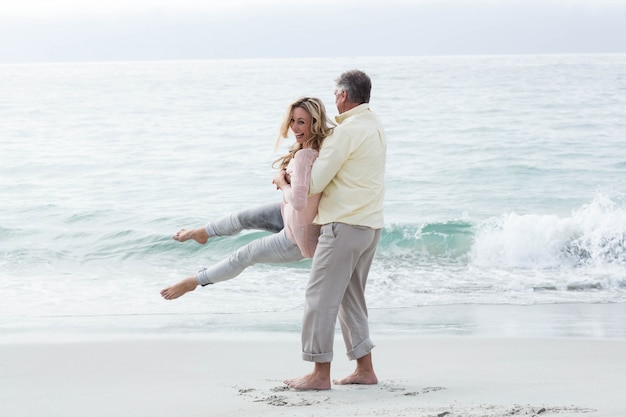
pixel 275 248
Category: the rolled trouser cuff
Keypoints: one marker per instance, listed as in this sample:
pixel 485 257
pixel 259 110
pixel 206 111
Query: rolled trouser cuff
pixel 318 357
pixel 361 350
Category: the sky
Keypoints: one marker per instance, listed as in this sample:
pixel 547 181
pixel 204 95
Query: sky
pixel 113 30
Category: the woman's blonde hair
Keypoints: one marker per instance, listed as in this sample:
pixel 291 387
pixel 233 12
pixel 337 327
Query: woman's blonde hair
pixel 321 127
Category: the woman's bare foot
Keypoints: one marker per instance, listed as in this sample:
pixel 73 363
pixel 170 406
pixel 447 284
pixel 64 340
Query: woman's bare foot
pixel 183 287
pixel 199 235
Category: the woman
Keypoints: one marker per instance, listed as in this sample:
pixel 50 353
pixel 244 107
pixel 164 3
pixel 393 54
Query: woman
pixel 295 235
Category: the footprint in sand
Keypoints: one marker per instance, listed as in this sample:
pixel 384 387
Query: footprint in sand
pixel 291 399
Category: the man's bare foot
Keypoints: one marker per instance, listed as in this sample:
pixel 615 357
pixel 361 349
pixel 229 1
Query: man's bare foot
pixel 363 374
pixel 363 378
pixel 199 235
pixel 309 382
pixel 181 288
pixel 319 379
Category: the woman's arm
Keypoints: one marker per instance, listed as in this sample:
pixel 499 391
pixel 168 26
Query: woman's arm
pixel 297 192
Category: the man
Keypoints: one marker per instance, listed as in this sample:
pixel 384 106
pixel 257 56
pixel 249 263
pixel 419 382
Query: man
pixel 350 173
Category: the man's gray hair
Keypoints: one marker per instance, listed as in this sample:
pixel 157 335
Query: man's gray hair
pixel 356 84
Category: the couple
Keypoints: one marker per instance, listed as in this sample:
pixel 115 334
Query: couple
pixel 332 210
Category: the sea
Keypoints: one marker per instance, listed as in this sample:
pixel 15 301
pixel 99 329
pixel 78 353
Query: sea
pixel 505 186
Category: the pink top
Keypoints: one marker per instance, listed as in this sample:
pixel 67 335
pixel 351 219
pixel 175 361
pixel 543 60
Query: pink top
pixel 298 208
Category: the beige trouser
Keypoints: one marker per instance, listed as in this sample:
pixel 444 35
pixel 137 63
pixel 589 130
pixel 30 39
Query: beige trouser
pixel 337 288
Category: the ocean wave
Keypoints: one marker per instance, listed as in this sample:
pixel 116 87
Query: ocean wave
pixel 594 235
pixel 447 240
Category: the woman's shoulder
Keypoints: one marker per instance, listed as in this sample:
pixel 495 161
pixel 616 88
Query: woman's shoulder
pixel 306 153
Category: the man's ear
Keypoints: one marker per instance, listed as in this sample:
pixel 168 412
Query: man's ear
pixel 343 96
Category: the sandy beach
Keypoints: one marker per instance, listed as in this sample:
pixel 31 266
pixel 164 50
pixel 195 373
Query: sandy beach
pixel 241 375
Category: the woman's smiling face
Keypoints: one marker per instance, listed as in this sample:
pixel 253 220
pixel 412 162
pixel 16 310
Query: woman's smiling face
pixel 301 124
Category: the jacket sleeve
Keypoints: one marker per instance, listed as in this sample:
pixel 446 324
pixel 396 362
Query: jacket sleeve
pixel 334 153
pixel 297 193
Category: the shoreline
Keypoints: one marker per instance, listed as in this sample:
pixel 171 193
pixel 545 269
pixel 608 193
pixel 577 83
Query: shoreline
pixel 564 320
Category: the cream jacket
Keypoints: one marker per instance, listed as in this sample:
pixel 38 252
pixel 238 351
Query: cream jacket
pixel 350 169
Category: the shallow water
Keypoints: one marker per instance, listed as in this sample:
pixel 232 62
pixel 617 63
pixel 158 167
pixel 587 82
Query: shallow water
pixel 504 184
